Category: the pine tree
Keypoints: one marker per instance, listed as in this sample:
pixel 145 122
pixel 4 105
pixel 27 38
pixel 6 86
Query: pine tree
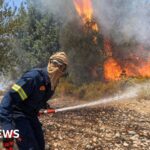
pixel 28 37
pixel 37 38
pixel 7 25
pixel 85 55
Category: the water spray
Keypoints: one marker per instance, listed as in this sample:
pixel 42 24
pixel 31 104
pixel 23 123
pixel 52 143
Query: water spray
pixel 129 94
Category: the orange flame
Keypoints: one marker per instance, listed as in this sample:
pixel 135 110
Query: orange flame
pixel 145 70
pixel 134 70
pixel 95 27
pixel 84 9
pixel 112 69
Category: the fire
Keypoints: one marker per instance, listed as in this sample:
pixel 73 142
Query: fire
pixel 135 70
pixel 95 27
pixel 134 66
pixel 84 9
pixel 112 69
pixel 145 70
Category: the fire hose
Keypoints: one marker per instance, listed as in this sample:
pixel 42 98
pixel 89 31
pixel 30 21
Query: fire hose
pixel 47 111
pixel 125 95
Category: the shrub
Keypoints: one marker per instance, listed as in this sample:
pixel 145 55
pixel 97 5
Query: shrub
pixel 65 88
pixel 99 89
pixel 144 93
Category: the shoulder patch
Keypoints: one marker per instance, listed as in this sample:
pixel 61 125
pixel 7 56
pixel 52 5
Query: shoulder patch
pixel 42 88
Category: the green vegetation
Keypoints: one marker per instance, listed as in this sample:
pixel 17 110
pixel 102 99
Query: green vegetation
pixel 38 37
pixel 28 37
pixel 8 24
pixel 84 53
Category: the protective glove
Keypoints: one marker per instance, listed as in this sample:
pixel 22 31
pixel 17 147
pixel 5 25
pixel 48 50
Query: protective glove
pixel 8 143
pixel 46 106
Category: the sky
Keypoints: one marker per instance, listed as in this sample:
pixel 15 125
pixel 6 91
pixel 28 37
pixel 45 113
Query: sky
pixel 14 2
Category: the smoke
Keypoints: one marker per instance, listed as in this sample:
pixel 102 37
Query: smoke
pixel 62 9
pixel 126 23
pixel 126 20
pixel 5 82
pixel 129 93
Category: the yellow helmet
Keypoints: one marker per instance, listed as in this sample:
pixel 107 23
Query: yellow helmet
pixel 61 57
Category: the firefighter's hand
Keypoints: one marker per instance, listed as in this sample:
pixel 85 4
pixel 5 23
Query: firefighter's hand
pixel 8 143
pixel 47 106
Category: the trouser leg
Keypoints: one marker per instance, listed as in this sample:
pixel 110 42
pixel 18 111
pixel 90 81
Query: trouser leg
pixel 27 139
pixel 38 132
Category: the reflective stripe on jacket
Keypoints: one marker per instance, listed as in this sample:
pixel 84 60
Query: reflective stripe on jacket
pixel 26 97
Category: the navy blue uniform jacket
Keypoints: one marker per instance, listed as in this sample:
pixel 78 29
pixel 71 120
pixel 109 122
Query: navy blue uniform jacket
pixel 26 97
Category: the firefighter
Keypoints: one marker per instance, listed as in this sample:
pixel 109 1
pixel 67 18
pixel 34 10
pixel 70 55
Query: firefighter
pixel 20 106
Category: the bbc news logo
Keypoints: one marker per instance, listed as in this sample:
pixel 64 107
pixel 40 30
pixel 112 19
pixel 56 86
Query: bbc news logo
pixel 9 134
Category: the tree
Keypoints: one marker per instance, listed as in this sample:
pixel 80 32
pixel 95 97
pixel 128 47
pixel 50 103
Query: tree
pixel 28 37
pixel 6 34
pixel 10 22
pixel 37 38
pixel 85 55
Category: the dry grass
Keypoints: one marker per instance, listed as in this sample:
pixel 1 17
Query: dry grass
pixel 144 93
pixel 99 89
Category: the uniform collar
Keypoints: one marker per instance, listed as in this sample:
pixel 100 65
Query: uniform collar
pixel 46 76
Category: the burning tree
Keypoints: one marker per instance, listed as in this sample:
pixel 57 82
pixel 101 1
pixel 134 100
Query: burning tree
pixel 82 41
pixel 93 56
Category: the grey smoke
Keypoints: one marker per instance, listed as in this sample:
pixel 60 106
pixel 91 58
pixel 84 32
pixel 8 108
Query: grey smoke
pixel 5 82
pixel 127 20
pixel 63 9
pixel 130 93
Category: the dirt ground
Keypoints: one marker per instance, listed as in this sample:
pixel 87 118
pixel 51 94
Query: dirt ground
pixel 116 126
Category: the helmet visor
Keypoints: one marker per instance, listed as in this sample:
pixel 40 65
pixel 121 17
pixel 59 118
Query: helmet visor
pixel 59 64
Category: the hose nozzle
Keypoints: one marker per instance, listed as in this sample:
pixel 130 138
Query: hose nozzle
pixel 47 111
